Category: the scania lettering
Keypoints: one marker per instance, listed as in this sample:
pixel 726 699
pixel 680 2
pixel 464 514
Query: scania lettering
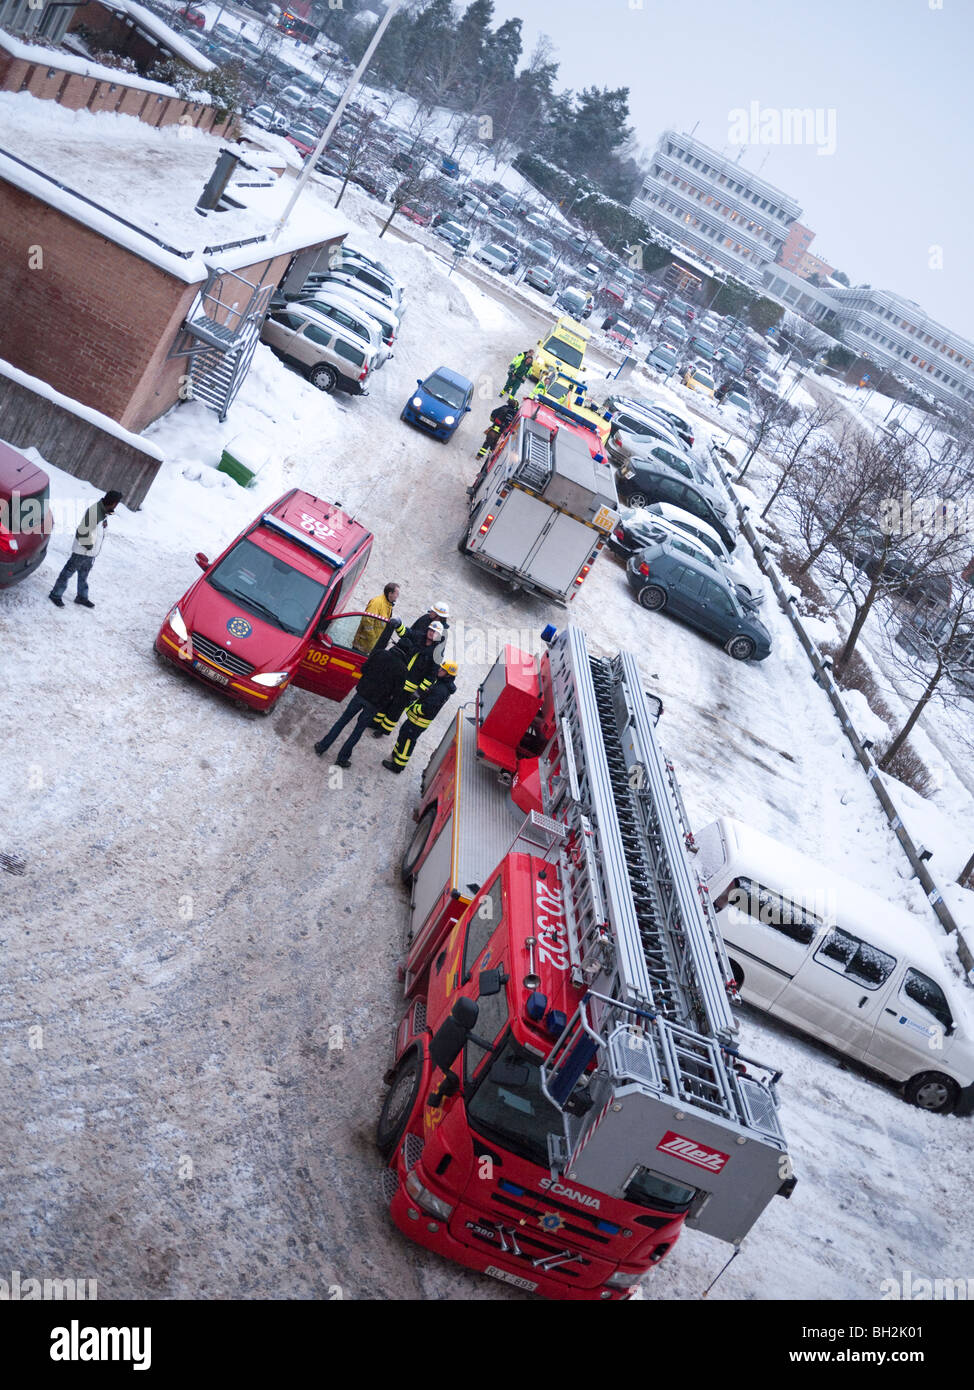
pixel 567 1090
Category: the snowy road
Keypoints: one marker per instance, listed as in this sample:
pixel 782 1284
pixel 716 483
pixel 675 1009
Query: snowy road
pixel 207 928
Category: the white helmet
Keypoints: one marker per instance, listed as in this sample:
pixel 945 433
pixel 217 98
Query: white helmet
pixel 437 629
pixel 441 610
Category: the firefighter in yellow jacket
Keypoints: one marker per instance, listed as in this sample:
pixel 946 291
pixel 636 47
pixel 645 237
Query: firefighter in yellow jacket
pixel 420 715
pixel 371 629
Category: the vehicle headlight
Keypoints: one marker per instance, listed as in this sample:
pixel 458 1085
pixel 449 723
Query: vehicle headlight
pixel 622 1280
pixel 175 621
pixel 271 678
pixel 417 402
pixel 426 1199
pixel 450 420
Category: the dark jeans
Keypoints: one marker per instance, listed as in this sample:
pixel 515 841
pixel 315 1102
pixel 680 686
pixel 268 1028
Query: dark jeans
pixel 79 565
pixel 355 707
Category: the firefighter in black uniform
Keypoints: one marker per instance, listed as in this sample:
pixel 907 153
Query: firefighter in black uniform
pixel 416 632
pixel 380 684
pixel 420 715
pixel 500 417
pixel 420 667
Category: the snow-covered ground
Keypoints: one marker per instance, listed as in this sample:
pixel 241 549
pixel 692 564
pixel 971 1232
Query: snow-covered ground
pixel 207 926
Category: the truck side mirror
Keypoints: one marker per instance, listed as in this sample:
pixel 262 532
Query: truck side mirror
pixel 201 560
pixel 451 1036
pixel 491 982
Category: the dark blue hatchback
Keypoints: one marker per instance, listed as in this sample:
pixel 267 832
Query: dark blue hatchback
pixel 439 403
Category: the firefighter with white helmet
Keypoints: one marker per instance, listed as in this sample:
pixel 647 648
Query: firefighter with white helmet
pixel 421 666
pixel 420 715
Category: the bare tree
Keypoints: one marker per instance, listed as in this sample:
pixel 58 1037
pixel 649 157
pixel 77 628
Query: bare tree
pixel 790 442
pixel 357 151
pixel 769 415
pixel 937 647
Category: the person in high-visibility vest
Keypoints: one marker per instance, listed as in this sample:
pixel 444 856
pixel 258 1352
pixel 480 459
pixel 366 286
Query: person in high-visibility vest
pixel 420 672
pixel 420 715
pixel 500 417
pixel 519 367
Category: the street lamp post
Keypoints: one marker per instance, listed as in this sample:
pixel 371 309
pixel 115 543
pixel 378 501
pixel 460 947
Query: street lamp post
pixel 337 114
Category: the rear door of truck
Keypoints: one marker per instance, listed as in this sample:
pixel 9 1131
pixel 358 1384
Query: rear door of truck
pixel 560 552
pixel 515 532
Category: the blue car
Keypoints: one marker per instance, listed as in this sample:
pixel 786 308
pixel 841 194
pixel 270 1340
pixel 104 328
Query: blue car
pixel 440 403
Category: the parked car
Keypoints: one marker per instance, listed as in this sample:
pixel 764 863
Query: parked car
pixel 502 224
pixel 663 358
pixel 351 271
pixel 736 405
pixel 267 118
pixel 331 357
pixel 420 213
pixel 25 516
pixel 358 298
pixel 614 292
pixel 351 316
pixel 455 234
pixel 659 484
pixel 439 403
pixel 294 96
pixel 303 137
pixel 540 278
pixel 640 526
pixel 696 378
pixel 623 334
pixel 576 302
pixel 633 428
pixel 192 16
pixel 672 330
pixel 537 219
pixel 643 307
pixel 495 257
pixel 672 575
pixel 541 249
pixel 679 423
pixel 660 455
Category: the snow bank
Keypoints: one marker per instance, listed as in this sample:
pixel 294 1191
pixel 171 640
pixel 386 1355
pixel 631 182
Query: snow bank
pixel 84 412
pixel 67 62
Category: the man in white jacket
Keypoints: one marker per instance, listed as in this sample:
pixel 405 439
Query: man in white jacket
pixel 87 543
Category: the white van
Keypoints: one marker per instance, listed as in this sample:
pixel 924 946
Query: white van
pixel 840 963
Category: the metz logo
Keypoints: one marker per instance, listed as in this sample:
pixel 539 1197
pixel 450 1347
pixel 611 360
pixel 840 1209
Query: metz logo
pixel 711 1159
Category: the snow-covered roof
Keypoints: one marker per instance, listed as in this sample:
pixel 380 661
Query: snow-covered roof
pixel 161 31
pixel 138 186
pixel 84 67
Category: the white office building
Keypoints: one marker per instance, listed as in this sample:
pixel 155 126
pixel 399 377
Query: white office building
pixel 720 211
pixel 897 334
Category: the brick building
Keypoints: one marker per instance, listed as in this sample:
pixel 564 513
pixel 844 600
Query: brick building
pixel 126 298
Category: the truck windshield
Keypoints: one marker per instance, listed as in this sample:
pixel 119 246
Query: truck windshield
pixel 564 351
pixel 267 586
pixel 517 1116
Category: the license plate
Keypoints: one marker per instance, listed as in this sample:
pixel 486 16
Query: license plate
pixel 426 421
pixel 210 674
pixel 528 1285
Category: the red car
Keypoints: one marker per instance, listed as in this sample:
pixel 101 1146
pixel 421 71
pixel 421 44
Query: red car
pixel 191 17
pixel 265 613
pixel 25 516
pixel 418 212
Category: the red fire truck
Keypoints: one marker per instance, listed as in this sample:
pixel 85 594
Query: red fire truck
pixel 567 1089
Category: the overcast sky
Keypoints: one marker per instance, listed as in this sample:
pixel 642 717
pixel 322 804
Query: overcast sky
pixel 897 74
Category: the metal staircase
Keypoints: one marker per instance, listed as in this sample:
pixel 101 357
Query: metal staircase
pixel 219 336
pixel 653 1037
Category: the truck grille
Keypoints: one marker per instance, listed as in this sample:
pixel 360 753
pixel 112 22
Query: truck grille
pixel 212 651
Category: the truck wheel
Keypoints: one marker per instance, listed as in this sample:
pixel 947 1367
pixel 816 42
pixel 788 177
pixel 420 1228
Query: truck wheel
pixel 652 597
pixel 931 1090
pixel 737 972
pixel 398 1104
pixel 462 543
pixel 740 648
pixel 417 845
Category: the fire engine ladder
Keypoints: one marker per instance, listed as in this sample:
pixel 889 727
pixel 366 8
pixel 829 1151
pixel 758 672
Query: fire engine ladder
pixel 219 336
pixel 642 937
